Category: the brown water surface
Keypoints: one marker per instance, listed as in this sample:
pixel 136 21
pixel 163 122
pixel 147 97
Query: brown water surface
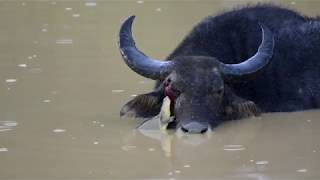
pixel 62 84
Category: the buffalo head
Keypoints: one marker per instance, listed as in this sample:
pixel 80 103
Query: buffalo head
pixel 196 85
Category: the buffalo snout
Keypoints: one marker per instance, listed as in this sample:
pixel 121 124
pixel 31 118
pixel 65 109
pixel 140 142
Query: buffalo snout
pixel 195 127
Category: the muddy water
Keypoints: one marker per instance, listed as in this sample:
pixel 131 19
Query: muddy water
pixel 62 83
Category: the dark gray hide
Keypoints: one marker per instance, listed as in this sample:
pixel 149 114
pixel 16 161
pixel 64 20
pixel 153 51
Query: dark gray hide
pixel 223 69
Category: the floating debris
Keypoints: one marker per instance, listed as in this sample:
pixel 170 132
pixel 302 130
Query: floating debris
pixel 59 130
pixel 151 149
pixel 128 148
pixel 187 166
pixel 236 149
pixel 11 80
pixel 7 125
pixel 302 170
pixel 233 148
pixel 177 171
pixel 68 9
pixel 101 125
pixel 29 57
pixel 22 65
pixel 44 30
pixel 46 101
pixel 117 91
pixel 91 4
pixel 64 41
pixel 140 2
pixel 158 9
pixel 75 15
pixel 3 149
pixel 262 162
pixel 170 173
pixel 293 3
pixel 96 142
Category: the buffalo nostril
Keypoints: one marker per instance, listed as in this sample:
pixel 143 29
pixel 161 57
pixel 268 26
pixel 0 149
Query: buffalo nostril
pixel 184 130
pixel 194 127
pixel 204 130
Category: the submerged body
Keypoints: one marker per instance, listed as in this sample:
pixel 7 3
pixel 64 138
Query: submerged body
pixel 291 81
pixel 217 74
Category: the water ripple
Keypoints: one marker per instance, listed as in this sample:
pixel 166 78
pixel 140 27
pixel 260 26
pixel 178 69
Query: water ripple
pixel 90 4
pixel 7 125
pixel 64 41
pixel 233 148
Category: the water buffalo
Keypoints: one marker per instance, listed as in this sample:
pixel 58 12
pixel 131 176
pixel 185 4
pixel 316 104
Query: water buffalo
pixel 249 60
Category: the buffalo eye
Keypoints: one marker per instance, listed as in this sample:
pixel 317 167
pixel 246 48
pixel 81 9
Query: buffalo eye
pixel 171 90
pixel 167 82
pixel 220 91
pixel 217 91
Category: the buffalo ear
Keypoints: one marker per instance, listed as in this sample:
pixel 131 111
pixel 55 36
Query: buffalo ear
pixel 143 106
pixel 237 107
pixel 247 109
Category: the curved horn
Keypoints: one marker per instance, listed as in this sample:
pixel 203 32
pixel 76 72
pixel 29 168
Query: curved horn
pixel 256 62
pixel 136 60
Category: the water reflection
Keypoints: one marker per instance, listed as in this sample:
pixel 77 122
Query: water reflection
pixel 249 149
pixel 152 130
